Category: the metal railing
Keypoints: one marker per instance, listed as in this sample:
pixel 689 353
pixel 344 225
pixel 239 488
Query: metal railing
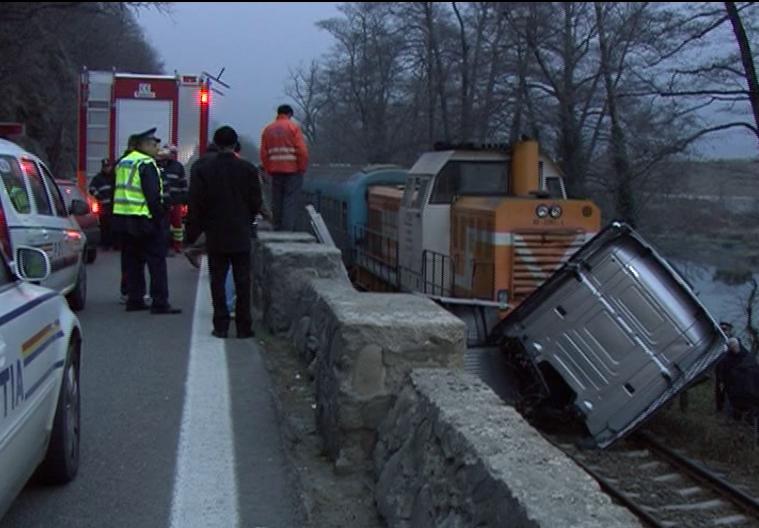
pixel 437 273
pixel 377 254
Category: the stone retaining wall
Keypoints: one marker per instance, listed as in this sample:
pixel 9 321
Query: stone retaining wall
pixel 367 345
pixel 286 267
pixel 257 269
pixel 451 454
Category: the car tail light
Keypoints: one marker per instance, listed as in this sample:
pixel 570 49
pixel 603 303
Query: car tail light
pixel 183 210
pixel 94 206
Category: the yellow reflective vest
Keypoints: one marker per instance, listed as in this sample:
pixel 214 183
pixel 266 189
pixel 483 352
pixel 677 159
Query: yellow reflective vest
pixel 128 198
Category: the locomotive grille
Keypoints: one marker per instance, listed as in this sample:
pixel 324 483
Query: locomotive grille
pixel 536 256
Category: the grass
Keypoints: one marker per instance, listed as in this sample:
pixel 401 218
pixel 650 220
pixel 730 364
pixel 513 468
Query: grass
pixel 706 435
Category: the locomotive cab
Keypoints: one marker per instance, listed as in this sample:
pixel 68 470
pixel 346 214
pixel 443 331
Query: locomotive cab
pixel 487 223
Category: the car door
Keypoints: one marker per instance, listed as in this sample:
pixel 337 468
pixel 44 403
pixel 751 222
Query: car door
pixel 73 239
pixel 54 231
pixel 28 328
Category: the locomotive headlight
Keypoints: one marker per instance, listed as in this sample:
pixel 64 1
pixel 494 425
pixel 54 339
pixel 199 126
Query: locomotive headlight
pixel 541 211
pixel 555 211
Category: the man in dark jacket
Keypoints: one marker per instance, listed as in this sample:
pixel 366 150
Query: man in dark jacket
pixel 101 188
pixel 225 197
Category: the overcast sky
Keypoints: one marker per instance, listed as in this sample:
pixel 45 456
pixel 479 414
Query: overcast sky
pixel 258 43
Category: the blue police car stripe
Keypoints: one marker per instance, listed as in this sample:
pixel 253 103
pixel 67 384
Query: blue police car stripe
pixel 42 347
pixel 53 368
pixel 26 307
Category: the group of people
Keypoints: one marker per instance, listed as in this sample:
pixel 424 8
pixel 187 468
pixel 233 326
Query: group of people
pixel 144 191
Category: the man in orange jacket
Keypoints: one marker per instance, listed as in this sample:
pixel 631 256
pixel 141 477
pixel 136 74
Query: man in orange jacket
pixel 285 157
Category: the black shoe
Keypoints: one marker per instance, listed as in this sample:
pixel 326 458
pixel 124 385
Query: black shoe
pixel 136 307
pixel 221 334
pixel 245 334
pixel 168 309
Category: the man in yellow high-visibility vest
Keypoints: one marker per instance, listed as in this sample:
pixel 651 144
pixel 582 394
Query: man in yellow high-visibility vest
pixel 139 217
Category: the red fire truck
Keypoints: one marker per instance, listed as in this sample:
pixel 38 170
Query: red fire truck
pixel 114 105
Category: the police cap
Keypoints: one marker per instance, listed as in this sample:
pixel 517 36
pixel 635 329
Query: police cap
pixel 148 134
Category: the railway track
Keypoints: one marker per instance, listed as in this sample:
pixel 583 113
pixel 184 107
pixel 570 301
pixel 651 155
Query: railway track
pixel 662 487
pixel 666 489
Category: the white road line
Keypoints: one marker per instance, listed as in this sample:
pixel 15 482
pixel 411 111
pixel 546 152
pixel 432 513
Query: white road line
pixel 205 486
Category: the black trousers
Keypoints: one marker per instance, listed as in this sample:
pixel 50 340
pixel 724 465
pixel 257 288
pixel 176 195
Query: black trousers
pixel 218 267
pixel 136 252
pixel 106 237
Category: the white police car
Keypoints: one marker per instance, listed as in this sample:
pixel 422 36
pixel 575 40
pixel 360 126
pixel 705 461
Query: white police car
pixel 36 216
pixel 40 355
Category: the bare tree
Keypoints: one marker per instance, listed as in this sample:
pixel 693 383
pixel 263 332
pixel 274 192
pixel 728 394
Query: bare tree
pixel 310 94
pixel 747 60
pixel 44 46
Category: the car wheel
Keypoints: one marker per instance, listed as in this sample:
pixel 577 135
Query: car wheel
pixel 92 254
pixel 61 462
pixel 78 298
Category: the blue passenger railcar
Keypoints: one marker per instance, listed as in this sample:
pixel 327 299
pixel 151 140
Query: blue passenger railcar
pixel 339 194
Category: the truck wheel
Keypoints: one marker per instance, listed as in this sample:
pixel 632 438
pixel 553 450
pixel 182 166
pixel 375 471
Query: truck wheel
pixel 78 297
pixel 61 462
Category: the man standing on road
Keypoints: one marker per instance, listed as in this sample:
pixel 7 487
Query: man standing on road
pixel 101 188
pixel 175 195
pixel 225 197
pixel 138 215
pixel 285 158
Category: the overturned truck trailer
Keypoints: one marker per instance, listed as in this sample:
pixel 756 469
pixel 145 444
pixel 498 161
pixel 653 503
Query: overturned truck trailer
pixel 613 334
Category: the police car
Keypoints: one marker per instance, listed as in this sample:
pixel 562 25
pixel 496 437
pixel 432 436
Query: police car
pixel 40 354
pixel 37 216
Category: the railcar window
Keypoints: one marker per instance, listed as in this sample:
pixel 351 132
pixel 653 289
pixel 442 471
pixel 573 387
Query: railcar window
pixel 463 178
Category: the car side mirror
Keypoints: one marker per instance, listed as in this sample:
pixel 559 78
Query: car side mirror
pixel 31 264
pixel 78 207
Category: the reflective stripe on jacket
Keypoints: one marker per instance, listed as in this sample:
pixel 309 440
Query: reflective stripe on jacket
pixel 283 149
pixel 128 198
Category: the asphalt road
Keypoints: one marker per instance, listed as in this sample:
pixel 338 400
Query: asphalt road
pixel 157 450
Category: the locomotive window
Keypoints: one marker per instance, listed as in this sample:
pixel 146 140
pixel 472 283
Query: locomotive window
pixel 555 188
pixel 470 178
pixel 415 192
pixel 420 192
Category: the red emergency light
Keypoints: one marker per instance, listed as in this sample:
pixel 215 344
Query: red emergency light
pixel 204 96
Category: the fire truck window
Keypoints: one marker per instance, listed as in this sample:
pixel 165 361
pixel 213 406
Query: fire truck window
pixel 13 180
pixel 38 188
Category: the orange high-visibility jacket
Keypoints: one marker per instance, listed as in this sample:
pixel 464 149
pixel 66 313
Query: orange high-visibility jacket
pixel 282 147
